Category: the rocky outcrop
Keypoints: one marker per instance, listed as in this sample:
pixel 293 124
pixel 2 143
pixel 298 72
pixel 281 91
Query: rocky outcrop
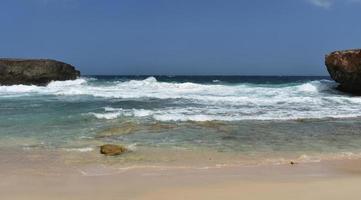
pixel 112 150
pixel 35 71
pixel 345 68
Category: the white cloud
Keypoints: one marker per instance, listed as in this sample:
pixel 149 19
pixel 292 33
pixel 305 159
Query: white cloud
pixel 322 3
pixel 328 3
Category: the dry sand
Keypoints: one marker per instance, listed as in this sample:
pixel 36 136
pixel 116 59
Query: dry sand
pixel 52 179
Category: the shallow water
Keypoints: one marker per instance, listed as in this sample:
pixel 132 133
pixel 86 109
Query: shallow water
pixel 262 117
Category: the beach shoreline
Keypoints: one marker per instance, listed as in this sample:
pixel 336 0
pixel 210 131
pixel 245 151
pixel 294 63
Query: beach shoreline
pixel 54 178
pixel 237 138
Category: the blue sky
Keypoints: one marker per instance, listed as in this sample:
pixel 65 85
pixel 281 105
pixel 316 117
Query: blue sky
pixel 190 37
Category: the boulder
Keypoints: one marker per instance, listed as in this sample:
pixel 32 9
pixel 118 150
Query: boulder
pixel 35 71
pixel 345 68
pixel 112 150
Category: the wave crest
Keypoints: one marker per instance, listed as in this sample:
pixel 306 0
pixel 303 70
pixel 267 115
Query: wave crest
pixel 205 102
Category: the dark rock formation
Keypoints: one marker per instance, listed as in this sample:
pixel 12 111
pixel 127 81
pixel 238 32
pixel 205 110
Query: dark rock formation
pixel 35 71
pixel 345 68
pixel 112 150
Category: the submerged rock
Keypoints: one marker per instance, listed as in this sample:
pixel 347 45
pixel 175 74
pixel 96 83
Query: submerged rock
pixel 345 68
pixel 215 125
pixel 131 127
pixel 158 126
pixel 112 150
pixel 124 128
pixel 35 71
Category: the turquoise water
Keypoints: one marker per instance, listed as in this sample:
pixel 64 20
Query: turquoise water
pixel 244 115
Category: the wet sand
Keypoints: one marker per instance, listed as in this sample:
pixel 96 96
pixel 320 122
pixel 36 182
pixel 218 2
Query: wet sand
pixel 48 176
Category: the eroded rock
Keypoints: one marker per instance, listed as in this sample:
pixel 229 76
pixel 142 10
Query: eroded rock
pixel 35 71
pixel 345 68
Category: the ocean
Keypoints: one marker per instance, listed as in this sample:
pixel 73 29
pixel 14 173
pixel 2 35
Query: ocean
pixel 237 119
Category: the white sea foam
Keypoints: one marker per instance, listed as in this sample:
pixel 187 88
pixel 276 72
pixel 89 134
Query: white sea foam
pixel 109 115
pixel 132 147
pixel 197 114
pixel 85 149
pixel 203 102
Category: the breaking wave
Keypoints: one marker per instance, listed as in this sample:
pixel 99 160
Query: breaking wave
pixel 204 102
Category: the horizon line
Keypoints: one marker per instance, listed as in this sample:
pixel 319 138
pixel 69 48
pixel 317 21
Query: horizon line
pixel 201 75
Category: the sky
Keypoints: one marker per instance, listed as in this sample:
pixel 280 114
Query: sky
pixel 181 37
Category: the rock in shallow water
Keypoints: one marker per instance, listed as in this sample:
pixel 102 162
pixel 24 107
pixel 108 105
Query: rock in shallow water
pixel 112 150
pixel 345 68
pixel 35 71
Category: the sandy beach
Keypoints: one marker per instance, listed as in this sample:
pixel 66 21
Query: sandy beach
pixel 180 100
pixel 49 176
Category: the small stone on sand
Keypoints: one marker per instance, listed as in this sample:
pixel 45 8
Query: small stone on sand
pixel 112 150
pixel 293 163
